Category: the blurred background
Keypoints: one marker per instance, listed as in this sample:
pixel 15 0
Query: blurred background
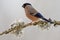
pixel 11 10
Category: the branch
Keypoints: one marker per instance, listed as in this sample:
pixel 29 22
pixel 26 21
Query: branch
pixel 18 26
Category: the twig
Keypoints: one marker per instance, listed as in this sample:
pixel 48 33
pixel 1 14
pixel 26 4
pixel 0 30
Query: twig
pixel 20 26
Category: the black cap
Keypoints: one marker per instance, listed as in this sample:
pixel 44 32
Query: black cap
pixel 24 5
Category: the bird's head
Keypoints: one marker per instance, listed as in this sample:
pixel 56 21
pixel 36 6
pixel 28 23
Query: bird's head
pixel 25 4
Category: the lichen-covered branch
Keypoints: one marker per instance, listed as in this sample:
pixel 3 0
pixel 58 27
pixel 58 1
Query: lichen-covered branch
pixel 17 27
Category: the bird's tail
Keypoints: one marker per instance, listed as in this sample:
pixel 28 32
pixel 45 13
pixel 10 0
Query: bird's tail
pixel 50 20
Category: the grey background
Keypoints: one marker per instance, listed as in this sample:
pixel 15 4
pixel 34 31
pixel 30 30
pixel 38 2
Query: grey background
pixel 11 10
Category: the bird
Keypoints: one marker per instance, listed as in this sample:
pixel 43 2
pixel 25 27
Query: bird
pixel 33 14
